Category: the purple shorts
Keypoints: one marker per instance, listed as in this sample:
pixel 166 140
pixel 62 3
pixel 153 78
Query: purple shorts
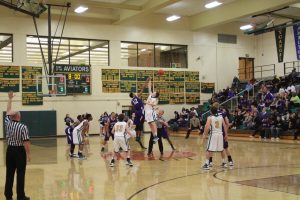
pixel 164 133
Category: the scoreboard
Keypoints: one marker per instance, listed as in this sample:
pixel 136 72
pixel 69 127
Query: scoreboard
pixel 78 78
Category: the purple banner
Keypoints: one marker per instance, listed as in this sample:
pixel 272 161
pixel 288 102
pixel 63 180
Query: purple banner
pixel 297 39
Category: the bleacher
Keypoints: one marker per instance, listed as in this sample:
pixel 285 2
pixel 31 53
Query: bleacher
pixel 233 102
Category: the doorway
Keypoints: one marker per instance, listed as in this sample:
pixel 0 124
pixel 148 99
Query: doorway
pixel 246 69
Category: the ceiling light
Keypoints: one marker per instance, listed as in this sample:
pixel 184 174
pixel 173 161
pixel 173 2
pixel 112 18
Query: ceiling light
pixel 246 27
pixel 81 9
pixel 173 18
pixel 213 4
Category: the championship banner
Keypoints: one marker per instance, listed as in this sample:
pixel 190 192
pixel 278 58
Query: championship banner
pixel 207 87
pixel 297 39
pixel 280 41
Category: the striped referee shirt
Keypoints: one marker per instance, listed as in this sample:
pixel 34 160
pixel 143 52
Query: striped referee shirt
pixel 16 132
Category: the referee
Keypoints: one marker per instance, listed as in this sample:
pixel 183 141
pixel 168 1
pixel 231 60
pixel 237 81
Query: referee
pixel 18 152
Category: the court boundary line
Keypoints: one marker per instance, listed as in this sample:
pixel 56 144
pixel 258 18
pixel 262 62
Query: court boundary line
pixel 236 182
pixel 215 172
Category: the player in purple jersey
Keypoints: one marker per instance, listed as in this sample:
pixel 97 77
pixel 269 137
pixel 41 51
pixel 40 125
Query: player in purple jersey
pixel 103 130
pixel 224 113
pixel 112 120
pixel 139 113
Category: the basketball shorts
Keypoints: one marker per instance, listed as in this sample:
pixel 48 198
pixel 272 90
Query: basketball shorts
pixel 150 116
pixel 108 135
pixel 139 121
pixel 215 142
pixel 120 142
pixel 77 137
pixel 164 133
pixel 225 144
pixel 68 132
pixel 133 134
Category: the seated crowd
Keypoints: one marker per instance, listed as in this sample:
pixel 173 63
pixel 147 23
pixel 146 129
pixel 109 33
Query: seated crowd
pixel 275 109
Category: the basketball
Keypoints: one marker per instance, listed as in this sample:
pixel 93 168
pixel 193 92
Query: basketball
pixel 160 72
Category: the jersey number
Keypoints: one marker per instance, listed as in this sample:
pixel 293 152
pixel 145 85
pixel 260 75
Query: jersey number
pixel 119 128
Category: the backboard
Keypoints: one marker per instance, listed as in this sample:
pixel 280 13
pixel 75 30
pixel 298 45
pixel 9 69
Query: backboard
pixel 51 85
pixel 30 7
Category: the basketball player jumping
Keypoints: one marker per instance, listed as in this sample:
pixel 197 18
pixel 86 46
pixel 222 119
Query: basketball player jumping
pixel 139 113
pixel 150 112
pixel 216 139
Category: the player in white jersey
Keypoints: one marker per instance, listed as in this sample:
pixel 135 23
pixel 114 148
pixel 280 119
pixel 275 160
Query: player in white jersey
pixel 131 127
pixel 216 139
pixel 79 134
pixel 150 112
pixel 120 130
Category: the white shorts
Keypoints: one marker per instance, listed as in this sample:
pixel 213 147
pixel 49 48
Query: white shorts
pixel 215 142
pixel 120 142
pixel 150 116
pixel 77 137
pixel 133 134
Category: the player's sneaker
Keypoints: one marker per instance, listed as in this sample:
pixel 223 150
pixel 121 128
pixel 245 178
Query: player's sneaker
pixel 210 164
pixel 81 157
pixel 224 165
pixel 231 163
pixel 205 167
pixel 277 139
pixel 112 163
pixel 155 139
pixel 129 163
pixel 73 155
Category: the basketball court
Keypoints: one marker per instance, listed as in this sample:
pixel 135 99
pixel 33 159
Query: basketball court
pixel 84 57
pixel 263 170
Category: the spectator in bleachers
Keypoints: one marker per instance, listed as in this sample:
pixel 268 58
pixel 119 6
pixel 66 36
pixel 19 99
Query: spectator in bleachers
pixel 248 121
pixel 266 123
pixel 235 82
pixel 276 128
pixel 257 125
pixel 176 115
pixel 267 97
pixel 194 125
pixel 193 112
pixel 297 132
pixel 292 76
pixel 294 101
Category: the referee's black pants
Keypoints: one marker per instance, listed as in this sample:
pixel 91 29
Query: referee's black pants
pixel 160 144
pixel 15 160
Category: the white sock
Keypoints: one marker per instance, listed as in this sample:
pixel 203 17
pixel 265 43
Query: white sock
pixel 207 162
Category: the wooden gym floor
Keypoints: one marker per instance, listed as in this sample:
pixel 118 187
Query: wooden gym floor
pixel 263 170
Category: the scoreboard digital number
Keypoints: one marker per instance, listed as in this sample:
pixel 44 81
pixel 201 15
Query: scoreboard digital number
pixel 78 78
